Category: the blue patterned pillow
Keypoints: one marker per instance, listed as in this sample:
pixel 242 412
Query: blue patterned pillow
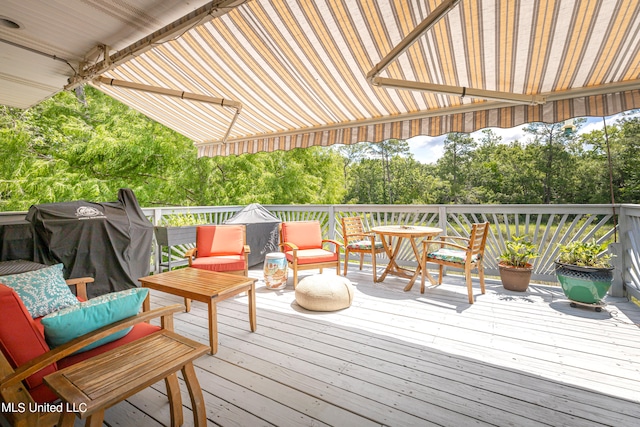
pixel 42 291
pixel 64 325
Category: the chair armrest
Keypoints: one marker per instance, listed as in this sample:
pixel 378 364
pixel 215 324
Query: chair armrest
pixel 464 239
pixel 190 254
pixel 293 246
pixel 44 360
pixel 337 244
pixel 247 249
pixel 442 244
pixel 81 286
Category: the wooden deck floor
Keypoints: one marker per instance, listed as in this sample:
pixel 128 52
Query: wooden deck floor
pixel 404 359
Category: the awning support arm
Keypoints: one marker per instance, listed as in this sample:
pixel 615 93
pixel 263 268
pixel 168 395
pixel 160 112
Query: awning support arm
pixel 437 14
pixel 176 94
pixel 461 91
pixel 209 11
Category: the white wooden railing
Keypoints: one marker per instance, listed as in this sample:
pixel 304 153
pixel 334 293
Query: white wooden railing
pixel 629 250
pixel 546 225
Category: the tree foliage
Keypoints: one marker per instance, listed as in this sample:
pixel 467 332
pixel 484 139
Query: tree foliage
pixel 63 149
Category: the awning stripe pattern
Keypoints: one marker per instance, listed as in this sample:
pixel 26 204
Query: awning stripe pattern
pixel 299 67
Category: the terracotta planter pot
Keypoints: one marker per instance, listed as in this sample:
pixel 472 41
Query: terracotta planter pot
pixel 515 278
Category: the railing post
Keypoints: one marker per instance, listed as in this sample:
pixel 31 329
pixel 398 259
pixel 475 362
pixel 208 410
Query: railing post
pixel 617 289
pixel 442 223
pixel 442 218
pixel 332 222
pixel 157 252
pixel 621 254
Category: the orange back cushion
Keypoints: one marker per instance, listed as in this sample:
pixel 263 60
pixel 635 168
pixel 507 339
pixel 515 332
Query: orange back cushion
pixel 215 240
pixel 20 338
pixel 304 234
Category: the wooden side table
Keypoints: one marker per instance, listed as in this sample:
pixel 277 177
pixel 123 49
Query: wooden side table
pixel 93 385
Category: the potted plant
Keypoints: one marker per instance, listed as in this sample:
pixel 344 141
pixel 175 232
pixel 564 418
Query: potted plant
pixel 585 272
pixel 514 266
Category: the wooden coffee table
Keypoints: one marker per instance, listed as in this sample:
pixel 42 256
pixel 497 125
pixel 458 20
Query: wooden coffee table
pixel 204 286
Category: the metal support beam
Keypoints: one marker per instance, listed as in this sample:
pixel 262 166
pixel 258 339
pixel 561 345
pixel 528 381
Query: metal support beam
pixel 489 95
pixel 437 14
pixel 176 94
pixel 203 14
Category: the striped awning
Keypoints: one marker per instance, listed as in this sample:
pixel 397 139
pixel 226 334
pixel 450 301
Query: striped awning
pixel 276 75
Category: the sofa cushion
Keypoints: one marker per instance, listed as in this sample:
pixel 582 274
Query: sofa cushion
pixel 42 291
pixel 20 339
pixel 139 330
pixel 64 325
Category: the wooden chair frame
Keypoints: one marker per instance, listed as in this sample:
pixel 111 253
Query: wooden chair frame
pixel 285 246
pixel 472 246
pixel 353 231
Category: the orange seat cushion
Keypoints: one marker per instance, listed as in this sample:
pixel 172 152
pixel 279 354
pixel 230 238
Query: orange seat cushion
pixel 220 263
pixel 303 234
pixel 313 256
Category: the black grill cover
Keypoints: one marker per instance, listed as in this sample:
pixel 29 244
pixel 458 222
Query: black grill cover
pixel 262 231
pixel 110 242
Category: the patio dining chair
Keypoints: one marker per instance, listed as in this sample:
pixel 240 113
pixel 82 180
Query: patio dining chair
pixel 465 253
pixel 357 240
pixel 303 245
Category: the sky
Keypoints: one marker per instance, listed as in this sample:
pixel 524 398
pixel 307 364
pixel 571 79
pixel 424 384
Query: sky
pixel 426 149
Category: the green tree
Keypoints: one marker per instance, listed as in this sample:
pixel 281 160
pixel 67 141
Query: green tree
pixel 385 151
pixel 453 165
pixel 550 141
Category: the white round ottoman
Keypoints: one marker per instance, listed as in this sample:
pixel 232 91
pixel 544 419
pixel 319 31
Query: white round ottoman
pixel 324 292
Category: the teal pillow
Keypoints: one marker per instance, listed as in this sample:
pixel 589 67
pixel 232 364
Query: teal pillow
pixel 42 291
pixel 64 325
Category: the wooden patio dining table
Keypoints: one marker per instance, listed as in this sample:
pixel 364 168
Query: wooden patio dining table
pixel 392 237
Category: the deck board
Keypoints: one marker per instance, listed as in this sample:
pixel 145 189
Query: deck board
pixel 403 358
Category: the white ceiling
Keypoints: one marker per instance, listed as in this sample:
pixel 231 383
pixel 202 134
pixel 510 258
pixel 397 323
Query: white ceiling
pixel 68 30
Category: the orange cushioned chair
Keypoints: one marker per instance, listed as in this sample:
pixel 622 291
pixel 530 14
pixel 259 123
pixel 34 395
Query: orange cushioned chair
pixel 221 248
pixel 302 243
